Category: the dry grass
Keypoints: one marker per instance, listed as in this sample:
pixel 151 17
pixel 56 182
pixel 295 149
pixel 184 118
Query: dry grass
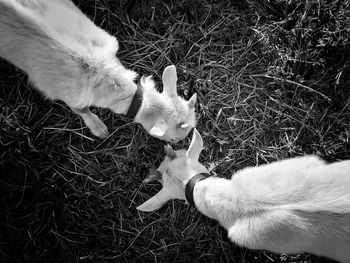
pixel 273 82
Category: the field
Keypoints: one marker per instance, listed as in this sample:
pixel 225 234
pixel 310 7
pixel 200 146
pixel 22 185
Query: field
pixel 273 81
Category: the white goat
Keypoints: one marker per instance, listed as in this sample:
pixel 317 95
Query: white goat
pixel 69 58
pixel 289 206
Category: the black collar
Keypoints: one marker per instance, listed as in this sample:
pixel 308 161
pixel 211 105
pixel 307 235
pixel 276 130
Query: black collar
pixel 136 103
pixel 190 186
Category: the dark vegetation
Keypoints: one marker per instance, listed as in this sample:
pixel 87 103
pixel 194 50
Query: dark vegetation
pixel 273 82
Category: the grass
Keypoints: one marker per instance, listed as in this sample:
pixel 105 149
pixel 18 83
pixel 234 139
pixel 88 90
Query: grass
pixel 273 82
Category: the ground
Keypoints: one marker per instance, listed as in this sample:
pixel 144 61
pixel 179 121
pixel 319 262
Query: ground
pixel 272 81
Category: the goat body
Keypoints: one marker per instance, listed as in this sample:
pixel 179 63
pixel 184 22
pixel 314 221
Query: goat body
pixel 67 57
pixel 289 206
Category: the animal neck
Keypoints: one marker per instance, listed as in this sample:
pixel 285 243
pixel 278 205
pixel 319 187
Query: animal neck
pixel 119 88
pixel 136 103
pixel 120 98
pixel 191 184
pixel 217 198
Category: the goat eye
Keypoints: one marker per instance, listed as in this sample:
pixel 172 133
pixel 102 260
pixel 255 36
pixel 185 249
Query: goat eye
pixel 158 175
pixel 168 172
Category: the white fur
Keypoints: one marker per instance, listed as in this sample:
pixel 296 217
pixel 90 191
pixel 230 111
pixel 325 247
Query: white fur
pixel 290 206
pixel 69 58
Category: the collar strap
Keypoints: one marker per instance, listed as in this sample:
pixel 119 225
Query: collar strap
pixel 136 103
pixel 190 186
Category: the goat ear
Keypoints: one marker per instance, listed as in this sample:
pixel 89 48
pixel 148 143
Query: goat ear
pixel 155 202
pixel 196 146
pixel 169 78
pixel 159 128
pixel 192 101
